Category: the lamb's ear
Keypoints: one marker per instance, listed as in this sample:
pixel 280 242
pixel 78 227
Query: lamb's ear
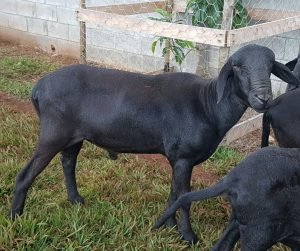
pixel 225 72
pixel 291 64
pixel 283 72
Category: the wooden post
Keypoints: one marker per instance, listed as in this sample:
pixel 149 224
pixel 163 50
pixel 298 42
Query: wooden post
pixel 168 8
pixel 82 36
pixel 227 14
pixel 226 25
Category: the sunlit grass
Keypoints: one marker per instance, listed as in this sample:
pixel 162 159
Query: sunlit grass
pixel 223 160
pixel 24 68
pixel 18 74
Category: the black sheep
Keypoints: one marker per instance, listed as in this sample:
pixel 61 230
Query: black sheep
pixel 179 115
pixel 264 193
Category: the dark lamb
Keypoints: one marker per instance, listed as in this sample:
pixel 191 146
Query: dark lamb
pixel 264 193
pixel 179 115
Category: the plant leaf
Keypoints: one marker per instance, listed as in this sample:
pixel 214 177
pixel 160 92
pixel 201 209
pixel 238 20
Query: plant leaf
pixel 164 14
pixel 153 47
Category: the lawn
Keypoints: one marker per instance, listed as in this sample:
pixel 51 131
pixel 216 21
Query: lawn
pixel 123 197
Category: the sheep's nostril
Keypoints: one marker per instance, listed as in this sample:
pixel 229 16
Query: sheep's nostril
pixel 263 98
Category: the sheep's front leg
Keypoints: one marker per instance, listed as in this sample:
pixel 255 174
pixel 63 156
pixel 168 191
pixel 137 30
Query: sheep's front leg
pixel 171 222
pixel 181 183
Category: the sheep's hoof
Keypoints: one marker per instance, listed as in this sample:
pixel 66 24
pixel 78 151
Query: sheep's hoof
pixel 190 237
pixel 12 215
pixel 112 155
pixel 171 222
pixel 77 200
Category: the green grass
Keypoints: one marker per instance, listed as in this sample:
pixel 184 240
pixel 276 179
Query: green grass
pixel 223 160
pixel 17 74
pixel 16 88
pixel 123 197
pixel 24 67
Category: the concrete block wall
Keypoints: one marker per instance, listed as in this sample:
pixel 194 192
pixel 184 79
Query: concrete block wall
pixel 286 47
pixel 52 26
pixel 43 23
pixel 124 50
pixel 290 5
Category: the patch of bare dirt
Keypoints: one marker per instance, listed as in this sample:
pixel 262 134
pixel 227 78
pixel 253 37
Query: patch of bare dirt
pixel 199 174
pixel 15 50
pixel 15 104
pixel 249 143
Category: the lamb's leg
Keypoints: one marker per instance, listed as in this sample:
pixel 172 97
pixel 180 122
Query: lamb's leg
pixel 68 159
pixel 229 238
pixel 256 237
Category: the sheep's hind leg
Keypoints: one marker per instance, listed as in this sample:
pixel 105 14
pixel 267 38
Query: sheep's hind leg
pixel 68 160
pixel 44 153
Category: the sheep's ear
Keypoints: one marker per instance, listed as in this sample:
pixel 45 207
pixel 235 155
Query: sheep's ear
pixel 225 72
pixel 291 64
pixel 283 72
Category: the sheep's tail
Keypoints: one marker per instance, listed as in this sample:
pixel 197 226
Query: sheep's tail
pixel 265 130
pixel 188 198
pixel 34 99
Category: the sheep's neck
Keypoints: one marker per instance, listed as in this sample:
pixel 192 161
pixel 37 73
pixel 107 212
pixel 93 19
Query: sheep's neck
pixel 228 111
